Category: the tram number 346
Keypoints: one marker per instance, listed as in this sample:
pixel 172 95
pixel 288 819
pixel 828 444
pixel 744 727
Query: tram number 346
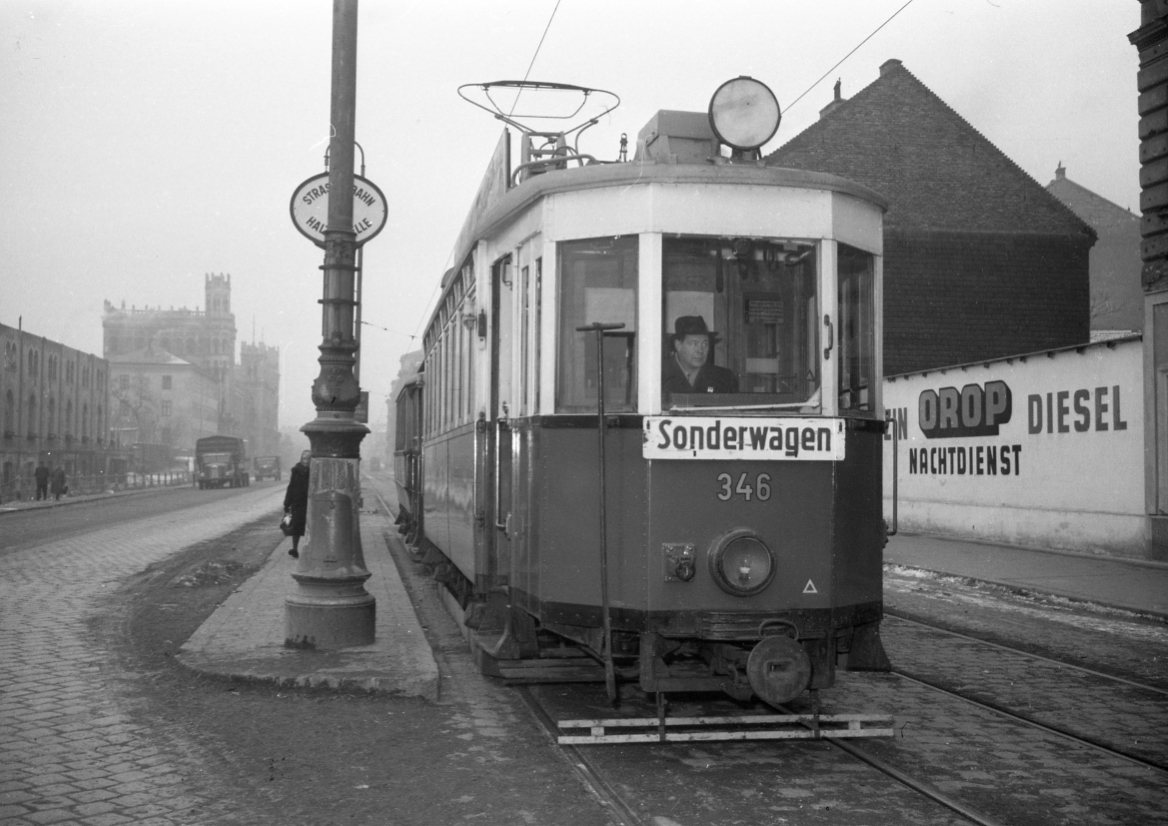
pixel 761 489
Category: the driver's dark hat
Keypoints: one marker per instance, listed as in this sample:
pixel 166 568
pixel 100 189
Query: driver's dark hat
pixel 690 325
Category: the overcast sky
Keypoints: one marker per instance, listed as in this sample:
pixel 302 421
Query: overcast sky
pixel 148 142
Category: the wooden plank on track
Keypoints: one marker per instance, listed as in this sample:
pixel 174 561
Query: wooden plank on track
pixel 707 729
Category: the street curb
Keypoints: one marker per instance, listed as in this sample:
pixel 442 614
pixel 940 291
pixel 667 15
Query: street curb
pixel 6 509
pixel 1030 590
pixel 243 640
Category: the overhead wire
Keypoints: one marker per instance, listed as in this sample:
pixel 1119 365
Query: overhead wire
pixel 530 65
pixel 526 75
pixel 849 54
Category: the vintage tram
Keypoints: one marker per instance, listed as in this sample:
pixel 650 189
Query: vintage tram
pixel 683 348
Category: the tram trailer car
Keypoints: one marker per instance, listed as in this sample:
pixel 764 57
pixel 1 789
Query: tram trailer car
pixel 743 427
pixel 407 457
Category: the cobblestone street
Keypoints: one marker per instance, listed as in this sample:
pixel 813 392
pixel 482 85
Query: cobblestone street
pixel 69 753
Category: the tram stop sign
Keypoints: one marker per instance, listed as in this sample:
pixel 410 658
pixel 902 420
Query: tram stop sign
pixel 309 208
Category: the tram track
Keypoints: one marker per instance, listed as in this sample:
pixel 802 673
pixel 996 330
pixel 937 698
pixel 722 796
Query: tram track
pixel 584 768
pixel 593 777
pixel 907 618
pixel 1078 738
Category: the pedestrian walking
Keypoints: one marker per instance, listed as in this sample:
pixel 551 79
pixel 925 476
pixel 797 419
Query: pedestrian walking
pixel 59 486
pixel 296 501
pixel 41 474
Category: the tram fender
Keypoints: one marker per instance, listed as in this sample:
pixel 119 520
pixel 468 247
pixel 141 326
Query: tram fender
pixel 867 651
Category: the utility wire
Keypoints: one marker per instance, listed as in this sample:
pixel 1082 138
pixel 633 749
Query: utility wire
pixel 386 329
pixel 849 54
pixel 527 74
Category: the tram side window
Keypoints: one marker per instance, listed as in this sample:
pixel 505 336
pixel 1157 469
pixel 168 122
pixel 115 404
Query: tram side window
pixel 598 283
pixel 739 323
pixel 857 331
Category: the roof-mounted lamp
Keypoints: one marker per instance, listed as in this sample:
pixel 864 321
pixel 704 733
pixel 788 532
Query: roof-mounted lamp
pixel 744 114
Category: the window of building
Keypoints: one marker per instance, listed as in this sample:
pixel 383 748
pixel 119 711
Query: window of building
pixel 166 383
pixel 598 283
pixel 124 381
pixel 739 322
pixel 166 407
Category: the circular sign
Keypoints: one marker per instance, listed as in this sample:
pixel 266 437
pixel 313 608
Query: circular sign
pixel 310 208
pixel 744 113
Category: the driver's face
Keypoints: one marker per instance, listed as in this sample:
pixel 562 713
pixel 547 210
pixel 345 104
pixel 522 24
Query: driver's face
pixel 692 351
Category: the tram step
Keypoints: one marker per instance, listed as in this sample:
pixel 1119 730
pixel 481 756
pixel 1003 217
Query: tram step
pixel 566 670
pixel 743 727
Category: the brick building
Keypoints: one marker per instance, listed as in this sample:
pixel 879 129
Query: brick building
pixel 980 260
pixel 54 407
pixel 1117 302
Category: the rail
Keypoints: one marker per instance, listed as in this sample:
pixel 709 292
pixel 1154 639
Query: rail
pixel 24 487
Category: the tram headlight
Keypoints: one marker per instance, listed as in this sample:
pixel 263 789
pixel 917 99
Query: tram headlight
pixel 741 563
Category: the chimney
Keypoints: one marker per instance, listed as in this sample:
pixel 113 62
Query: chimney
pixel 835 104
pixel 889 66
pixel 1060 172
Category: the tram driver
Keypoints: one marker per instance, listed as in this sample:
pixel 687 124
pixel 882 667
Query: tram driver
pixel 686 369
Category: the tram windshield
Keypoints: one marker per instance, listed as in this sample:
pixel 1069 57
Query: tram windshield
pixel 741 324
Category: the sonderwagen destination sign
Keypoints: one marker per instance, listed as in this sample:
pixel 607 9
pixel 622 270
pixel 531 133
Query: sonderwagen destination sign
pixel 310 208
pixel 751 439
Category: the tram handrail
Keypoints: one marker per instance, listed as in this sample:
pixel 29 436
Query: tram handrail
pixel 895 473
pixel 504 526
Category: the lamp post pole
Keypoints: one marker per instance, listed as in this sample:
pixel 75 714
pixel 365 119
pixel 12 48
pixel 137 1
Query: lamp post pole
pixel 330 607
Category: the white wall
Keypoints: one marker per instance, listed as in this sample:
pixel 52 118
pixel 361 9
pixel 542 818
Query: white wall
pixel 1045 450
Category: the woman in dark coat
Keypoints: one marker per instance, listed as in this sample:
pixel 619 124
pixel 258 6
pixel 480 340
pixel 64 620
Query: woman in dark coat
pixel 296 501
pixel 58 484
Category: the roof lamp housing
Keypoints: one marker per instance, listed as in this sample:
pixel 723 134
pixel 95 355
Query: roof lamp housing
pixel 744 114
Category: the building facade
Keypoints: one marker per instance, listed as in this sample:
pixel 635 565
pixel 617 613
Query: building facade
pixel 256 397
pixel 210 393
pixel 161 404
pixel 1151 40
pixel 54 407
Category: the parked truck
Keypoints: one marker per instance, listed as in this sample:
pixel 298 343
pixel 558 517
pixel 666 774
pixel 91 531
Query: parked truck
pixel 266 467
pixel 221 461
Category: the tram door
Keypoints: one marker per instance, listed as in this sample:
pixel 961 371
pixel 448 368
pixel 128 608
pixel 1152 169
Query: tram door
pixel 500 434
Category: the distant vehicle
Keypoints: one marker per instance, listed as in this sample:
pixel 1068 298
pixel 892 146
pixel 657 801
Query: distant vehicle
pixel 266 467
pixel 221 461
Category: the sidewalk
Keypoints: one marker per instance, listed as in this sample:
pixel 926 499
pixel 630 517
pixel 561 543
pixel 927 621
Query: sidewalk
pixel 244 637
pixel 1131 585
pixel 15 505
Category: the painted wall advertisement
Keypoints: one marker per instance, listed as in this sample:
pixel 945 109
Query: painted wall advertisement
pixel 1044 450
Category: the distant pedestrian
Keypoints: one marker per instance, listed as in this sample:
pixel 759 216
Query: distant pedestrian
pixel 296 501
pixel 59 486
pixel 41 474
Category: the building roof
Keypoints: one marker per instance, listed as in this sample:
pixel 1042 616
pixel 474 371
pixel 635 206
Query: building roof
pixel 148 355
pixel 938 172
pixel 1092 208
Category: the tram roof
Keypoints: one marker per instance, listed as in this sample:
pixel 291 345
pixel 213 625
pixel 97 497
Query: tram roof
pixel 599 176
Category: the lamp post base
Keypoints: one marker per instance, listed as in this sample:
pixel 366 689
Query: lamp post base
pixel 327 614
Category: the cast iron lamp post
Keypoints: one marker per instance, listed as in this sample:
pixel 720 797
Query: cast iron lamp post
pixel 330 607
